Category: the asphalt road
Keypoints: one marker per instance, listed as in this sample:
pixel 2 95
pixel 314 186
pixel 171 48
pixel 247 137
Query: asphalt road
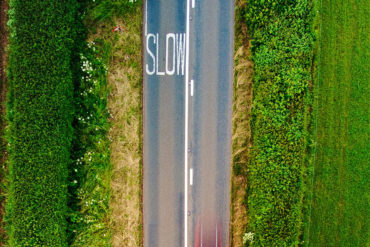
pixel 188 84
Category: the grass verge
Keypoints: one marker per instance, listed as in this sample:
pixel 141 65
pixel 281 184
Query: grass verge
pixel 121 221
pixel 340 189
pixel 125 104
pixel 243 70
pixel 107 151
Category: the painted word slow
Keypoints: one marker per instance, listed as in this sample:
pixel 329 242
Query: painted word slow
pixel 174 55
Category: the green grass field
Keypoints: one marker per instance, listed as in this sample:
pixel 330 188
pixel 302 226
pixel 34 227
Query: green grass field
pixel 340 207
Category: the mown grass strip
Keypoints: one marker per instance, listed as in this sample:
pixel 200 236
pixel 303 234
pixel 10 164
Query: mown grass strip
pixel 282 41
pixel 40 111
pixel 340 206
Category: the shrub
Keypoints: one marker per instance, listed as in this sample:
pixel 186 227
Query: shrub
pixel 282 52
pixel 39 112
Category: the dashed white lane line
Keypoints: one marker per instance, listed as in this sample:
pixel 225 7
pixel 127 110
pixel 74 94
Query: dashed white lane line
pixel 193 4
pixel 186 125
pixel 191 176
pixel 192 88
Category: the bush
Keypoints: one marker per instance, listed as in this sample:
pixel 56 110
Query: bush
pixel 39 111
pixel 282 52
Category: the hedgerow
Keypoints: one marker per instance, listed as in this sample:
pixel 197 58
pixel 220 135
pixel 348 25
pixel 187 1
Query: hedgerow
pixel 39 112
pixel 282 41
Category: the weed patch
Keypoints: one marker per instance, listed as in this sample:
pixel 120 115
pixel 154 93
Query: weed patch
pixel 282 41
pixel 90 171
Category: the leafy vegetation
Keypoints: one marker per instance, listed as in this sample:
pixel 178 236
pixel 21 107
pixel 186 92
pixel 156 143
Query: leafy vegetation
pixel 282 41
pixel 340 206
pixel 90 171
pixel 40 112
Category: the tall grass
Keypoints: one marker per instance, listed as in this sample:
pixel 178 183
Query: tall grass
pixel 242 105
pixel 125 104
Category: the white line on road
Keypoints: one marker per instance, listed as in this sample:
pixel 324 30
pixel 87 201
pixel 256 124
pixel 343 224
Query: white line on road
pixel 192 87
pixel 191 176
pixel 186 124
pixel 193 4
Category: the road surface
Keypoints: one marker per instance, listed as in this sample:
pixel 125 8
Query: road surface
pixel 188 82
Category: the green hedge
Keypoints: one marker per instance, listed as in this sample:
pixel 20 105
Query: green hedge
pixel 282 41
pixel 40 111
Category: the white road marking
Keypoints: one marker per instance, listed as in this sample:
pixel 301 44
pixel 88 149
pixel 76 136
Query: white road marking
pixel 191 176
pixel 177 43
pixel 186 124
pixel 173 37
pixel 192 87
pixel 157 58
pixel 180 50
pixel 150 54
pixel 193 4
